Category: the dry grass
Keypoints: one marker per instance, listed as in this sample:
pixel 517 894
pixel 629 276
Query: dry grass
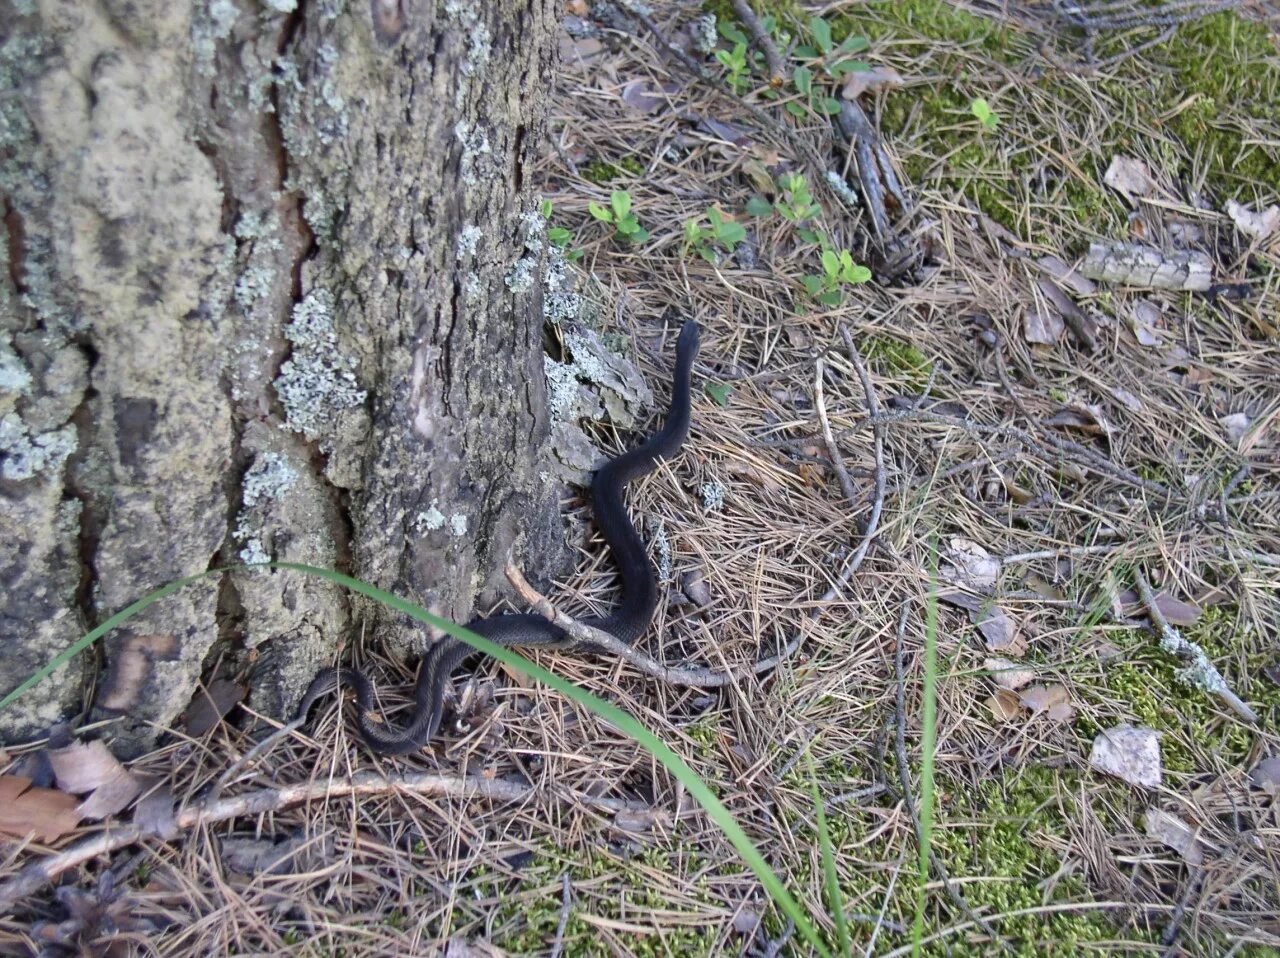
pixel 395 874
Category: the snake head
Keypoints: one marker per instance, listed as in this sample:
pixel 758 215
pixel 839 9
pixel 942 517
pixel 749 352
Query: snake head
pixel 688 341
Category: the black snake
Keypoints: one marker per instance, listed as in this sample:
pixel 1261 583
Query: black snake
pixel 628 622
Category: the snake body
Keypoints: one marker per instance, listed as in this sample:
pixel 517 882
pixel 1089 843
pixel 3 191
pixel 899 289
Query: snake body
pixel 627 622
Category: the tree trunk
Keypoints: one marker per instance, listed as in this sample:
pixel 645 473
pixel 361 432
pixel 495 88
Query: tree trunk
pixel 272 294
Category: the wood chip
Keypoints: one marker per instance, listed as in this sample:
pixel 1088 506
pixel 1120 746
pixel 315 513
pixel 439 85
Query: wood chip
pixel 1134 264
pixel 1009 674
pixel 1173 831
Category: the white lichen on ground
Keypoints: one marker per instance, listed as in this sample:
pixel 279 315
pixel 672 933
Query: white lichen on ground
pixel 317 382
pixel 842 188
pixel 713 496
pixel 661 547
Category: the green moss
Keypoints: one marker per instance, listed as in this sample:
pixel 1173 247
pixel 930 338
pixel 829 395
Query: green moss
pixel 1145 680
pixel 621 887
pixel 898 359
pixel 601 172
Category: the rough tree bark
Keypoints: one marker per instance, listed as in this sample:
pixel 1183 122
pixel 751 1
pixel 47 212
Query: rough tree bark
pixel 272 293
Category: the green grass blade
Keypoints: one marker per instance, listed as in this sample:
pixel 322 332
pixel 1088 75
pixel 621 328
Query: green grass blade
pixel 625 723
pixel 928 739
pixel 835 899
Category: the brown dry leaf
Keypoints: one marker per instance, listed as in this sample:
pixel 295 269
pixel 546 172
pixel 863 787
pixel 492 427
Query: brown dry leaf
pixel 1004 705
pixel 999 631
pixel 1129 753
pixel 459 948
pixel 970 564
pixel 1174 610
pixel 1017 493
pixel 1129 177
pixel 1173 831
pixel 1066 274
pixel 1064 304
pixel 648 97
pixel 1042 324
pixel 1009 674
pixel 155 813
pixel 1087 418
pixel 1235 426
pixel 1049 699
pixel 1126 399
pixel 1253 224
pixel 1146 319
pixel 639 820
pixel 1266 775
pixel 877 78
pixel 44 812
pixel 90 767
pixel 210 705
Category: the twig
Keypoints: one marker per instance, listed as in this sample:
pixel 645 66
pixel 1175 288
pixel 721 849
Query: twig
pixel 837 460
pixel 566 901
pixel 1199 671
pixel 877 433
pixel 1058 553
pixel 904 778
pixel 778 73
pixel 267 800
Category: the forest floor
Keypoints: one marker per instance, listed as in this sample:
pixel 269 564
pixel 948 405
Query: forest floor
pixel 1045 445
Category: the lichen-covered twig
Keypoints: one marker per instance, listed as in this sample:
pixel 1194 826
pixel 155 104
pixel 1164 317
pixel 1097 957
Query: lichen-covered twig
pixel 264 801
pixel 1199 672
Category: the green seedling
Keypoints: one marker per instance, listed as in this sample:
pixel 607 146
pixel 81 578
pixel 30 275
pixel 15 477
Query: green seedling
pixel 722 232
pixel 796 202
pixel 986 116
pixel 838 271
pixel 620 216
pixel 559 236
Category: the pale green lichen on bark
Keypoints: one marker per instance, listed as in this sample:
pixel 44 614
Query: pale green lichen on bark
pixel 317 382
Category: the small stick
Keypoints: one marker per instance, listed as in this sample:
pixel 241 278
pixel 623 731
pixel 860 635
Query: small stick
pixel 1203 672
pixel 778 73
pixel 877 432
pixel 566 901
pixel 264 801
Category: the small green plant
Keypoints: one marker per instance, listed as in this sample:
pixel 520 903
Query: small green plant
pixel 986 116
pixel 795 204
pixel 718 392
pixel 723 232
pixel 838 271
pixel 559 236
pixel 735 61
pixel 818 102
pixel 619 214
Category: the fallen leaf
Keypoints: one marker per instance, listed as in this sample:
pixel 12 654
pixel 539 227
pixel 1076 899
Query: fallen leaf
pixel 972 564
pixel 1126 399
pixel 89 767
pixel 1129 177
pixel 1087 419
pixel 1008 674
pixel 1042 324
pixel 1004 705
pixel 1049 699
pixel 999 631
pixel 1129 753
pixel 643 820
pixel 1254 224
pixel 876 78
pixel 43 812
pixel 1072 315
pixel 648 97
pixel 1174 610
pixel 746 920
pixel 1266 775
pixel 1173 831
pixel 211 704
pixel 155 813
pixel 961 600
pixel 694 585
pixel 1066 274
pixel 1235 426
